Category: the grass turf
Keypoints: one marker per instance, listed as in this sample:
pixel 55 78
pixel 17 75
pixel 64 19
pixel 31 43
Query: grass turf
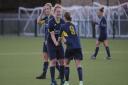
pixel 21 62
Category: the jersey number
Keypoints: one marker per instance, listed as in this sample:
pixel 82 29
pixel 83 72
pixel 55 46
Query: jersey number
pixel 72 30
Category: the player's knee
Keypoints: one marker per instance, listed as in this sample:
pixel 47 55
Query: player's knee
pixel 45 57
pixel 78 64
pixel 61 62
pixel 97 44
pixel 66 63
pixel 53 62
pixel 106 44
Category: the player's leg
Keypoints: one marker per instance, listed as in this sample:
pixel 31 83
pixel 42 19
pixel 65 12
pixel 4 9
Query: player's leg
pixel 61 61
pixel 68 58
pixel 53 60
pixel 45 64
pixel 78 58
pixel 80 71
pixel 66 71
pixel 52 71
pixel 60 57
pixel 96 50
pixel 107 49
pixel 58 68
pixel 58 65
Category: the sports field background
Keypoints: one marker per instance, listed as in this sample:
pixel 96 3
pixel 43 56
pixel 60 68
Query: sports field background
pixel 20 62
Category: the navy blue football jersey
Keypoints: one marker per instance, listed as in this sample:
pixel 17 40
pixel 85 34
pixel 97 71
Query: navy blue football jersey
pixel 103 26
pixel 70 34
pixel 47 19
pixel 56 27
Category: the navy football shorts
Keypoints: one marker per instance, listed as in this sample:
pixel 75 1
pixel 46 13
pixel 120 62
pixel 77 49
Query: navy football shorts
pixel 75 54
pixel 102 38
pixel 55 52
pixel 44 47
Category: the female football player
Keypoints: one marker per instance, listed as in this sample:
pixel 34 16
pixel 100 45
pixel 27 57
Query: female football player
pixel 73 48
pixel 102 27
pixel 44 21
pixel 55 49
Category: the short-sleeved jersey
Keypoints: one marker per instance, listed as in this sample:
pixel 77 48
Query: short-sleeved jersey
pixel 47 19
pixel 56 27
pixel 69 32
pixel 102 26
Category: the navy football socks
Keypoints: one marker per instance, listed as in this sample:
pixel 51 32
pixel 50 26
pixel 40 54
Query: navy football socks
pixel 67 72
pixel 52 71
pixel 108 51
pixel 96 51
pixel 80 73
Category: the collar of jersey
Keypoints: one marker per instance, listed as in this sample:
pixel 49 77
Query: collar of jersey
pixel 57 21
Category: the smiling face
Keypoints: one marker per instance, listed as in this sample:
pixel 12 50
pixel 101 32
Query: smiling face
pixel 58 12
pixel 47 10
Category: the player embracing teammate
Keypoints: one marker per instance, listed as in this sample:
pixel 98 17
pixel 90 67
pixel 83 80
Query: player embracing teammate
pixel 59 31
pixel 44 20
pixel 63 31
pixel 73 48
pixel 55 48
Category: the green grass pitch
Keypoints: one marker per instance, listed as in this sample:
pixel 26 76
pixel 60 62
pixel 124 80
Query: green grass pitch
pixel 20 62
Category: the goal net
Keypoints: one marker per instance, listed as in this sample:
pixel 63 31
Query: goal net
pixel 28 20
pixel 83 16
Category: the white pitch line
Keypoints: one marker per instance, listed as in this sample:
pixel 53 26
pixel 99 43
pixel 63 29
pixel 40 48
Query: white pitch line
pixel 20 53
pixel 102 52
pixel 38 53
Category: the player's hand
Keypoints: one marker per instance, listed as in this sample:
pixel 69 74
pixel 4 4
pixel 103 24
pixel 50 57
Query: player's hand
pixel 64 40
pixel 41 22
pixel 59 39
pixel 57 44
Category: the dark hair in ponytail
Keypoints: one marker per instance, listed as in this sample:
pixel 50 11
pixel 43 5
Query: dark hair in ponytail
pixel 102 9
pixel 67 16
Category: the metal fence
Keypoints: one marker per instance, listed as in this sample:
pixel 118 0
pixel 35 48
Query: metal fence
pixel 85 28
